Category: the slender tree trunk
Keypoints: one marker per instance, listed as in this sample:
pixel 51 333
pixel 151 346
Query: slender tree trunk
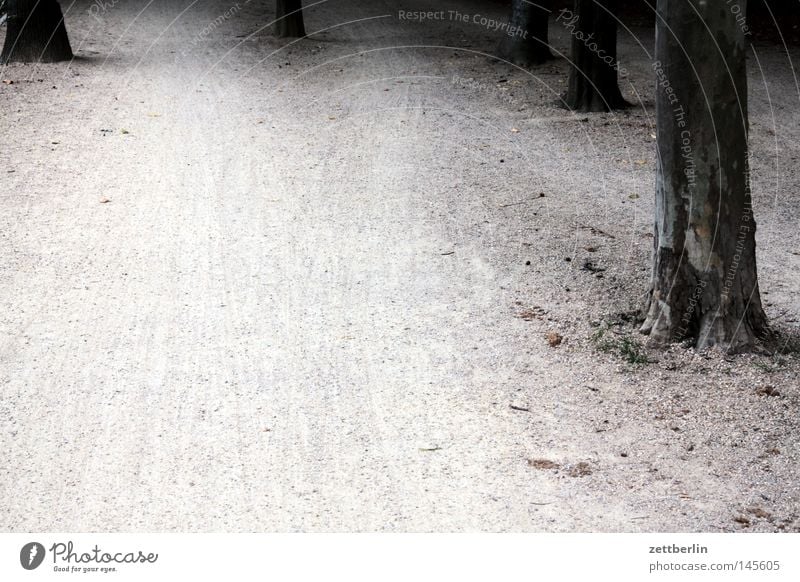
pixel 35 33
pixel 526 42
pixel 289 16
pixel 593 77
pixel 704 280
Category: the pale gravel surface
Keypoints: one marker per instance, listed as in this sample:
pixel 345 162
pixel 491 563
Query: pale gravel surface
pixel 300 310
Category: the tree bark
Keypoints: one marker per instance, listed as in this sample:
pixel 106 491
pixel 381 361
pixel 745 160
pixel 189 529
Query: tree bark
pixel 593 76
pixel 526 42
pixel 704 279
pixel 35 33
pixel 289 19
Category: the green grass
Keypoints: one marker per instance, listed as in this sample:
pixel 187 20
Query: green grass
pixel 775 363
pixel 624 347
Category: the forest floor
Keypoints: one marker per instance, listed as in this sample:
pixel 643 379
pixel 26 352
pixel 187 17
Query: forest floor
pixel 251 285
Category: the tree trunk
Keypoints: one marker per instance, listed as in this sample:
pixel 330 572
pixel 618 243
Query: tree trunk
pixel 289 17
pixel 593 77
pixel 35 33
pixel 526 42
pixel 704 280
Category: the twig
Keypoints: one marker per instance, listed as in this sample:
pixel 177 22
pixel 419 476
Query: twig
pixel 541 195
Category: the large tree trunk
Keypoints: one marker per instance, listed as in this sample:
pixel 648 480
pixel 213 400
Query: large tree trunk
pixel 528 44
pixel 704 280
pixel 35 33
pixel 289 17
pixel 593 77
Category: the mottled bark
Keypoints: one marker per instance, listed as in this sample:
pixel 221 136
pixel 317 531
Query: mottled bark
pixel 289 19
pixel 593 76
pixel 704 280
pixel 35 33
pixel 527 44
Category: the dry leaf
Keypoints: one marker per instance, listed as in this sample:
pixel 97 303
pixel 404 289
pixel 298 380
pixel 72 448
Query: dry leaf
pixel 532 313
pixel 582 469
pixel 543 464
pixel 554 338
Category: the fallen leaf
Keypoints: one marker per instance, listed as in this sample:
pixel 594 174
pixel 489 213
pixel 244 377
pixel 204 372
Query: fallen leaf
pixel 582 469
pixel 532 313
pixel 760 513
pixel 591 267
pixel 767 391
pixel 543 464
pixel 742 520
pixel 554 338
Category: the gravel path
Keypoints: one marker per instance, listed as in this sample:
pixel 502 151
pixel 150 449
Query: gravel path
pixel 249 287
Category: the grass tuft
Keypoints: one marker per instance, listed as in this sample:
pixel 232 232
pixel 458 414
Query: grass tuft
pixel 624 347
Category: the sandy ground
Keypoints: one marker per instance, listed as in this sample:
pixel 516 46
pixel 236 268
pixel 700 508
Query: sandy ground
pixel 250 286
